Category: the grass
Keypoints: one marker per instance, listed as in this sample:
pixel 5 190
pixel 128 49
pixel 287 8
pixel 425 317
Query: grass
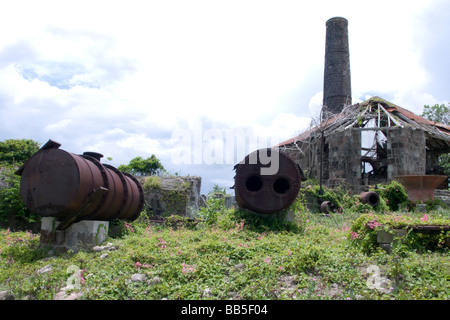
pixel 237 256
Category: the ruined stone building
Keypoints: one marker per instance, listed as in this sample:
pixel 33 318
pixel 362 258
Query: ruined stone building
pixel 364 143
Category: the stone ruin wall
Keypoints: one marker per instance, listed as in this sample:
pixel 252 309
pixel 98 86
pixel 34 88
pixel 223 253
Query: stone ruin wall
pixel 406 155
pixel 176 195
pixel 406 152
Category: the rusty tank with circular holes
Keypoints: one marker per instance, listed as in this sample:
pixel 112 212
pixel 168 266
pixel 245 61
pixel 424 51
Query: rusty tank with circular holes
pixel 71 188
pixel 267 181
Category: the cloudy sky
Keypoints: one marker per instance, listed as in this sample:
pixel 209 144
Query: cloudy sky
pixel 194 81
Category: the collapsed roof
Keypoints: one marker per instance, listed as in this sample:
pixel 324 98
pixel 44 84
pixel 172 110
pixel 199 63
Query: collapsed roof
pixel 378 114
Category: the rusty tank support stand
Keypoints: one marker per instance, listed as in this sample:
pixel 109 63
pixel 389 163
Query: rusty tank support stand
pixel 84 234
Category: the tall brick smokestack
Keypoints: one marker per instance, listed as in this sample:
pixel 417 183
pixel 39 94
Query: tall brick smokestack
pixel 337 91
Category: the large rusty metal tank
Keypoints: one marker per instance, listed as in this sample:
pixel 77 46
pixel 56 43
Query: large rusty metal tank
pixel 260 190
pixel 70 187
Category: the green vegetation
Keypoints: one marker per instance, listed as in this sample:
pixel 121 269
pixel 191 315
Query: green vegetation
pixel 365 228
pixel 168 192
pixel 230 253
pixel 233 254
pixel 142 167
pixel 12 207
pixel 439 113
pixel 13 153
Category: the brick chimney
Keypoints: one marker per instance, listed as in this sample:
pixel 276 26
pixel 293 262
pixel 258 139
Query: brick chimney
pixel 336 85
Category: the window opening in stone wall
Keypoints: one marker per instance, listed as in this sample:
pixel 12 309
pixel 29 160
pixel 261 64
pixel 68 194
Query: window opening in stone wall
pixel 373 154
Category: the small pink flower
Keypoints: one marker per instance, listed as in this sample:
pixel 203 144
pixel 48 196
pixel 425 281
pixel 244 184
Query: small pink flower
pixel 81 276
pixel 161 243
pixel 424 218
pixel 267 260
pixel 289 252
pixel 128 226
pixel 137 265
pixel 187 268
pixel 354 235
pixel 373 224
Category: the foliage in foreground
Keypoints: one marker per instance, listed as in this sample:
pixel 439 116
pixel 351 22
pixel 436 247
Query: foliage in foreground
pixel 237 257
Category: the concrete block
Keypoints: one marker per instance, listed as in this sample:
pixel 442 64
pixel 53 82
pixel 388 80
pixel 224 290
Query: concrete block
pixel 421 207
pixel 388 237
pixel 81 235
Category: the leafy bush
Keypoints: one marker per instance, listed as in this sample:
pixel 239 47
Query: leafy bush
pixel 236 260
pixel 14 151
pixel 11 204
pixel 152 182
pixel 214 207
pixel 363 231
pixel 394 193
pixel 338 198
pixel 142 167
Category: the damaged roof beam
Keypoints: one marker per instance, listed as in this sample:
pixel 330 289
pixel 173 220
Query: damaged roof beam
pixel 390 117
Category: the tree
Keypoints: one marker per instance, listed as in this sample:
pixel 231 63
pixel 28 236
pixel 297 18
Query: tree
pixel 142 167
pixel 437 113
pixel 441 114
pixel 13 151
pixel 218 189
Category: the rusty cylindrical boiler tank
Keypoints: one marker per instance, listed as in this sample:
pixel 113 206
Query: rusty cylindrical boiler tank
pixel 370 197
pixel 266 192
pixel 69 187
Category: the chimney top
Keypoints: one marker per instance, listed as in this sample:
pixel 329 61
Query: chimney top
pixel 336 85
pixel 337 19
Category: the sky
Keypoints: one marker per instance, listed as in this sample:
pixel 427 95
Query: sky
pixel 200 84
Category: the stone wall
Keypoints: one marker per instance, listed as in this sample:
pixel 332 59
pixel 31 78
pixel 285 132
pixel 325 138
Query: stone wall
pixel 172 195
pixel 405 155
pixel 344 159
pixel 341 159
pixel 406 152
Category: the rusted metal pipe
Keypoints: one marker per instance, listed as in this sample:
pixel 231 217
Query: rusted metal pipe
pixel 267 181
pixel 327 207
pixel 370 197
pixel 71 188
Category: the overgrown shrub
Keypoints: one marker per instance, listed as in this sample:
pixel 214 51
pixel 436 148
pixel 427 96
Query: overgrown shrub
pixel 337 198
pixel 152 182
pixel 290 219
pixel 394 194
pixel 11 204
pixel 364 229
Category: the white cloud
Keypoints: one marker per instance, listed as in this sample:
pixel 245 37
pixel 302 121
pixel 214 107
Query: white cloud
pixel 60 125
pixel 121 78
pixel 315 104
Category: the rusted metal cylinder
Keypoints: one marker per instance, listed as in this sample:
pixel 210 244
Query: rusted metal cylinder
pixel 327 207
pixel 267 181
pixel 57 183
pixel 370 197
